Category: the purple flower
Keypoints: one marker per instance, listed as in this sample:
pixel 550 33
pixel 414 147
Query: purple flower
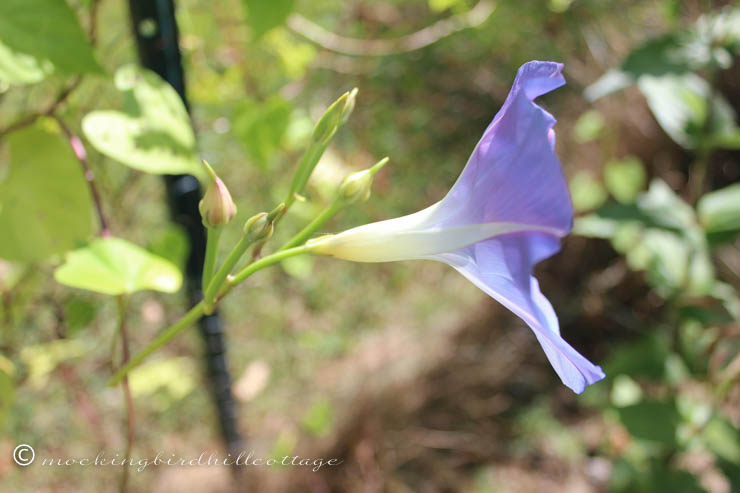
pixel 506 212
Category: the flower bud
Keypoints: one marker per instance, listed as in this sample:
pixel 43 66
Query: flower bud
pixel 349 106
pixel 216 207
pixel 330 121
pixel 256 226
pixel 357 186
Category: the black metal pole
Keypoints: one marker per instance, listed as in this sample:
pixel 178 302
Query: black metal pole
pixel 155 28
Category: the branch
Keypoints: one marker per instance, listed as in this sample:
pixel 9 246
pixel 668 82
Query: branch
pixel 381 47
pixel 79 149
pixel 30 119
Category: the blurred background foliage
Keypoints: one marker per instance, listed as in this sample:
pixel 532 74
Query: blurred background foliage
pixel 412 376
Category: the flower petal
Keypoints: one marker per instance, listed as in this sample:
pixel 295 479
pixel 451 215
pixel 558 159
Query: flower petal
pixel 502 267
pixel 513 175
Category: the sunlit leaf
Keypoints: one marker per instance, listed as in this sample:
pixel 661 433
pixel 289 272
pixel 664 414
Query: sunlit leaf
pixel 588 127
pixel 586 191
pixel 115 266
pixel 719 211
pixel 154 134
pixel 624 178
pixel 49 32
pixel 45 205
pixel 20 68
pixel 42 359
pixel 164 381
pixel 723 439
pixel 680 105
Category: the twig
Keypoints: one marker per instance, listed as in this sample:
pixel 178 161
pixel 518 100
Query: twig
pixel 30 119
pixel 126 392
pixel 381 47
pixel 92 29
pixel 79 149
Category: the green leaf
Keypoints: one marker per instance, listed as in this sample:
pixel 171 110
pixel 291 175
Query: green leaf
pixel 163 382
pixel 588 127
pixel 115 266
pixel 654 421
pixel 719 211
pixel 586 191
pixel 78 313
pixel 19 68
pixel 154 134
pixel 263 16
pixel 45 205
pixel 679 104
pixel 49 32
pixel 643 358
pixel 723 439
pixel 319 418
pixel 261 128
pixel 171 243
pixel 625 178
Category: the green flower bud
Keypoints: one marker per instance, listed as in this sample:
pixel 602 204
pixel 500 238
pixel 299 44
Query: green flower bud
pixel 356 187
pixel 216 207
pixel 256 226
pixel 330 121
pixel 349 106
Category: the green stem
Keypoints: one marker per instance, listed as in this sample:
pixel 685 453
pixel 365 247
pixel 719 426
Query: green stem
pixel 265 262
pixel 311 227
pixel 209 265
pixel 211 290
pixel 187 320
pixel 198 310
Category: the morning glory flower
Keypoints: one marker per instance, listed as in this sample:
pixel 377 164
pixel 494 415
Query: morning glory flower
pixel 507 211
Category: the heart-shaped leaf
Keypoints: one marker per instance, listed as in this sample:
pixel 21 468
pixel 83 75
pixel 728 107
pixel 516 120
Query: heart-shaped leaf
pixel 45 205
pixel 47 31
pixel 115 266
pixel 153 134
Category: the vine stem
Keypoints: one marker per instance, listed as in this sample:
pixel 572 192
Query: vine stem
pixel 382 47
pixel 197 311
pixel 311 227
pixel 122 304
pixel 81 154
pixel 209 265
pixel 49 111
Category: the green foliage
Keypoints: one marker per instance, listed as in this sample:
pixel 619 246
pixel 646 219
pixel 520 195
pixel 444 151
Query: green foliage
pixel 153 134
pixel 588 127
pixel 263 16
pixel 164 382
pixel 680 104
pixel 19 68
pixel 35 34
pixel 45 206
pixel 719 212
pixel 586 192
pixel 261 128
pixel 654 421
pixel 171 243
pixel 319 418
pixel 78 313
pixel 659 234
pixel 115 266
pixel 625 178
